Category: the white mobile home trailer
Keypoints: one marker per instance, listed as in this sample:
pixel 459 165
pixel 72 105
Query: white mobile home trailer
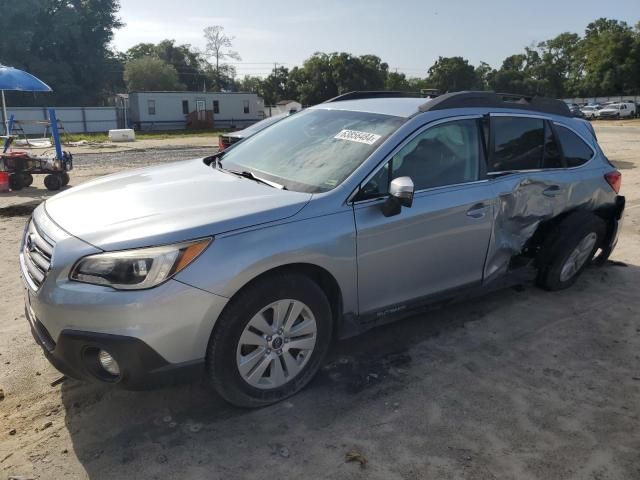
pixel 171 110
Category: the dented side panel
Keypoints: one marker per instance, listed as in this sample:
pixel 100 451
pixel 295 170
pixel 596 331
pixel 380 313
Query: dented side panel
pixel 524 201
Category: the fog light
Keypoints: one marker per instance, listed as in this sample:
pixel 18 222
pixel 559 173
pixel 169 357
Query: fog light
pixel 108 363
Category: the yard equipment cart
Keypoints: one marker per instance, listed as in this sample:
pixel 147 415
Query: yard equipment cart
pixel 21 166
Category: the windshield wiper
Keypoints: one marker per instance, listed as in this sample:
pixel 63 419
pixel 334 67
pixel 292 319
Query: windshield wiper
pixel 252 176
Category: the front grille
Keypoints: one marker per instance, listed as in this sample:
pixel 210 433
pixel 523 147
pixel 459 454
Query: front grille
pixel 36 256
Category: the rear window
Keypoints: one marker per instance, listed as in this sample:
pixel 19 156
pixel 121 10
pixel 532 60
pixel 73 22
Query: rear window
pixel 576 151
pixel 518 143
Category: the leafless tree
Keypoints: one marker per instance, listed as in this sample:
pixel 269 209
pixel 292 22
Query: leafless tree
pixel 219 48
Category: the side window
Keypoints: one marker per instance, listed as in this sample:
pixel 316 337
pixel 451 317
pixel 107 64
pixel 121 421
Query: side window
pixel 518 143
pixel 576 152
pixel 446 154
pixel 552 153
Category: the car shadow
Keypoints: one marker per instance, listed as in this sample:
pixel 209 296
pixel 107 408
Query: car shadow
pixel 110 428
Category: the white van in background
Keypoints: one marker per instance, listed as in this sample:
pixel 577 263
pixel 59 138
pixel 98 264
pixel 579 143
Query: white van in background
pixel 617 110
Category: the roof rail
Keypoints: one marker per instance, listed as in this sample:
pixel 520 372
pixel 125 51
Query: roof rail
pixel 359 95
pixel 497 100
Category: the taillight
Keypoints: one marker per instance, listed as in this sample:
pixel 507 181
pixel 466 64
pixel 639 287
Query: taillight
pixel 220 144
pixel 614 179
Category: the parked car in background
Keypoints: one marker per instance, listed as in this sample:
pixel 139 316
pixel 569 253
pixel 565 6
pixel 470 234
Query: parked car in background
pixel 345 216
pixel 589 111
pixel 575 110
pixel 617 110
pixel 228 139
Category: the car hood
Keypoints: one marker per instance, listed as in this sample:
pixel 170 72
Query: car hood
pixel 168 203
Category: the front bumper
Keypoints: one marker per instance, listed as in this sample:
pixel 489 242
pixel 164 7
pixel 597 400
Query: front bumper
pixel 75 355
pixel 150 333
pixel 158 336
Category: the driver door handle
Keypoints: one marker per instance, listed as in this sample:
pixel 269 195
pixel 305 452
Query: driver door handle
pixel 479 210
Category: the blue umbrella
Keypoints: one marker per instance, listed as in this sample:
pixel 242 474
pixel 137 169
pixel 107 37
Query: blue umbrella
pixel 19 80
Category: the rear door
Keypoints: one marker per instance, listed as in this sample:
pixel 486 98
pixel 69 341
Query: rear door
pixel 530 184
pixel 440 243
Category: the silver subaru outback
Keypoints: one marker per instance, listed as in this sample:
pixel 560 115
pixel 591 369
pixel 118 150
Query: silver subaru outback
pixel 246 265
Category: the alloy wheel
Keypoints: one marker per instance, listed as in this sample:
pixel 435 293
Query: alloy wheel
pixel 276 344
pixel 578 257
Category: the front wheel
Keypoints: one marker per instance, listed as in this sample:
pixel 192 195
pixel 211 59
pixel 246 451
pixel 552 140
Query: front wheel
pixel 270 341
pixel 569 249
pixel 53 182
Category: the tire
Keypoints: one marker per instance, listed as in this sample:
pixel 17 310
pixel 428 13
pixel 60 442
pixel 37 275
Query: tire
pixel 27 179
pixel 226 352
pixel 64 176
pixel 53 182
pixel 574 241
pixel 16 182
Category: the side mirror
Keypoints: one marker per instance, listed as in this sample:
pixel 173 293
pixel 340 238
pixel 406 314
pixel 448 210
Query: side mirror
pixel 400 195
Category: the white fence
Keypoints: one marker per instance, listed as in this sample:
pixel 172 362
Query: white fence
pixel 73 119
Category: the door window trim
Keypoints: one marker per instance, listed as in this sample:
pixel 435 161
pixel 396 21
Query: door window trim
pixel 404 143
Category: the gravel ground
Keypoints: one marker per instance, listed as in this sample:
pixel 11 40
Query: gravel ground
pixel 518 384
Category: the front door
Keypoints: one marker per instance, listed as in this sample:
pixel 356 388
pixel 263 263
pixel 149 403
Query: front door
pixel 201 109
pixel 440 243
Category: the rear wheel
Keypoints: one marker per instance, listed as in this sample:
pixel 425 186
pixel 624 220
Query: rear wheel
pixel 64 176
pixel 27 179
pixel 53 182
pixel 270 341
pixel 16 181
pixel 569 249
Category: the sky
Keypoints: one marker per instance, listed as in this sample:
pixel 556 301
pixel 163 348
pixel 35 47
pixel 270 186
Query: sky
pixel 407 34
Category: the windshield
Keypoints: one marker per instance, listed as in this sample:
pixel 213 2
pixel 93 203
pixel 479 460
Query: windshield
pixel 314 150
pixel 262 124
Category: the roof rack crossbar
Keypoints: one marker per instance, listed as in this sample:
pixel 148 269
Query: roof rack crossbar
pixel 484 99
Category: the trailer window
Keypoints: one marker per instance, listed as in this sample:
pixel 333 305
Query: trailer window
pixel 151 107
pixel 185 107
pixel 246 106
pixel 216 106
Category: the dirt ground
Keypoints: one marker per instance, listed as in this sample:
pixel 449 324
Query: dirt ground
pixel 518 384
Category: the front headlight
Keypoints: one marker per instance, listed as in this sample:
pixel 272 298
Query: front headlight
pixel 139 268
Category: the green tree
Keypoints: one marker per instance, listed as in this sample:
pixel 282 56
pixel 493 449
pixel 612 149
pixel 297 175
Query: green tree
pixel 190 64
pixel 63 42
pixel 611 60
pixel 452 74
pixel 484 73
pixel 151 74
pixel 277 86
pixel 250 84
pixel 397 82
pixel 325 75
